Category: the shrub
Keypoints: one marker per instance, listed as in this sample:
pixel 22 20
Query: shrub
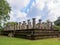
pixel 57 27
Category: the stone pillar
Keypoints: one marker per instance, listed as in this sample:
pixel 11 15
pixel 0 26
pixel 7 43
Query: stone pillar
pixel 29 24
pixel 8 28
pixel 51 26
pixel 24 25
pixel 19 25
pixel 33 23
pixel 14 26
pixel 48 25
pixel 39 24
pixel 43 25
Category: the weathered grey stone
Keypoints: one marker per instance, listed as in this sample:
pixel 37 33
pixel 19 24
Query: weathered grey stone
pixel 19 25
pixel 39 27
pixel 29 24
pixel 24 25
pixel 33 23
pixel 51 26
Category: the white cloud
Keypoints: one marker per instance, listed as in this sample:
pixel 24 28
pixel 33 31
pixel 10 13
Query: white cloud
pixel 16 15
pixel 17 5
pixel 53 6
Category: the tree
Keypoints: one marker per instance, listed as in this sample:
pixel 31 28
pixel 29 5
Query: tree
pixel 4 12
pixel 10 23
pixel 57 22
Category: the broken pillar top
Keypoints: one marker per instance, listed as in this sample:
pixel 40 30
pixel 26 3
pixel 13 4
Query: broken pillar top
pixel 34 23
pixel 40 20
pixel 20 22
pixel 28 20
pixel 33 18
pixel 23 21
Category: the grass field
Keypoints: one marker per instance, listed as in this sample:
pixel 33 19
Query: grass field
pixel 18 41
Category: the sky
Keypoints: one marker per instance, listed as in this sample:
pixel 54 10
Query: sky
pixel 40 9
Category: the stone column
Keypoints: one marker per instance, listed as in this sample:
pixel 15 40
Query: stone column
pixel 51 26
pixel 29 24
pixel 39 24
pixel 48 25
pixel 19 25
pixel 14 26
pixel 24 25
pixel 42 25
pixel 33 23
pixel 6 27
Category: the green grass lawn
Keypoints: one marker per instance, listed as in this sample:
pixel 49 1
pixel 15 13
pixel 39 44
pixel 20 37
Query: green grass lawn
pixel 18 41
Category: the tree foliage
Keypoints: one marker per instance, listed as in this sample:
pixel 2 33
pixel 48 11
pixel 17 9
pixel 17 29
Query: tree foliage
pixel 4 12
pixel 57 27
pixel 10 23
pixel 57 22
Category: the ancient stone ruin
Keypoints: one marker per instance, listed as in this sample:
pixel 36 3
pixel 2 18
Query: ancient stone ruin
pixel 32 30
pixel 30 25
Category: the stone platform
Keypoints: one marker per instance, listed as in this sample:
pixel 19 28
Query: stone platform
pixel 33 34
